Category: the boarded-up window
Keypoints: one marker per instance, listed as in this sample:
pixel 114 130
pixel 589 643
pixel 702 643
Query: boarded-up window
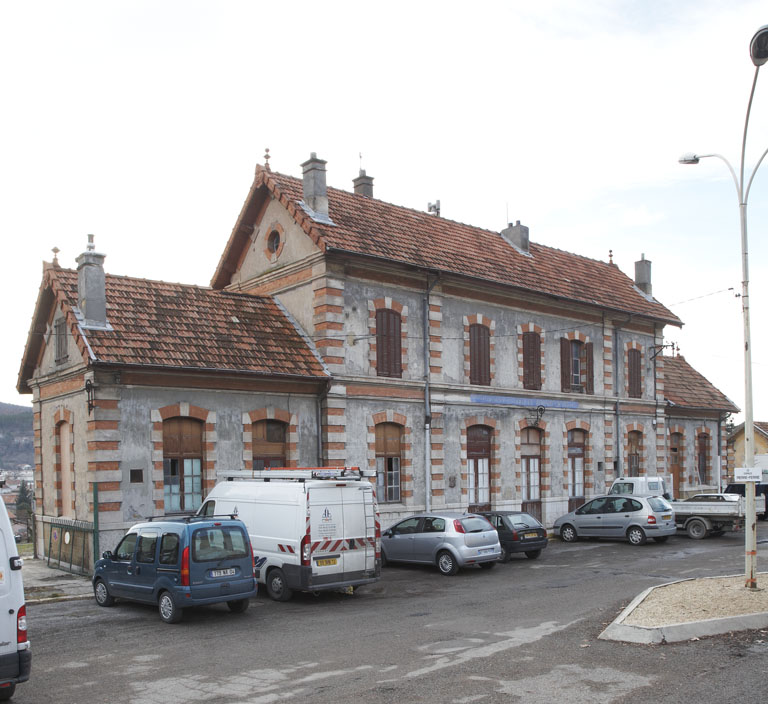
pixel 388 457
pixel 478 467
pixel 479 355
pixel 634 364
pixel 182 464
pixel 60 336
pixel 388 343
pixel 269 444
pixel 531 360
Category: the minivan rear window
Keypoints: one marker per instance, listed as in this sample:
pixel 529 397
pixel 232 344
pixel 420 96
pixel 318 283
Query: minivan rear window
pixel 476 524
pixel 218 543
pixel 658 504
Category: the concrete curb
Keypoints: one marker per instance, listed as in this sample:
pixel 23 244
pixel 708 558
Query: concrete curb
pixel 677 632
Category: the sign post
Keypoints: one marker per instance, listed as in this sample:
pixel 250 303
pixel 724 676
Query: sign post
pixel 748 476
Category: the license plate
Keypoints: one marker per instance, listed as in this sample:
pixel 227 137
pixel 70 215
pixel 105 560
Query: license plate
pixel 666 516
pixel 531 535
pixel 326 561
pixel 486 551
pixel 223 573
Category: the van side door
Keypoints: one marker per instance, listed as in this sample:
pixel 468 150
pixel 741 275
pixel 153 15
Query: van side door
pixel 117 569
pixel 143 569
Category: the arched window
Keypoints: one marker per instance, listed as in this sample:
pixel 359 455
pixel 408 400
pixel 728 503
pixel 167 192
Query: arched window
pixel 634 453
pixel 478 467
pixel 269 444
pixel 182 464
pixel 676 450
pixel 530 457
pixel 388 455
pixel 388 343
pixel 66 477
pixel 479 355
pixel 702 457
pixel 576 453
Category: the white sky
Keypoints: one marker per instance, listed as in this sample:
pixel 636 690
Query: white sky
pixel 141 122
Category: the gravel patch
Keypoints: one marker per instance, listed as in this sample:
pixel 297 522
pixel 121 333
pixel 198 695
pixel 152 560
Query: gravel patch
pixel 699 600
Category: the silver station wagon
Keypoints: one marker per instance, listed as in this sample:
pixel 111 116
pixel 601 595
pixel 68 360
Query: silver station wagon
pixel 447 540
pixel 633 518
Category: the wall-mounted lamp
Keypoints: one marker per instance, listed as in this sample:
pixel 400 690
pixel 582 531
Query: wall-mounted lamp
pixel 535 417
pixel 90 390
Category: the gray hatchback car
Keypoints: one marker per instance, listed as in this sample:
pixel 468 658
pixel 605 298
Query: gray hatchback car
pixel 633 518
pixel 447 540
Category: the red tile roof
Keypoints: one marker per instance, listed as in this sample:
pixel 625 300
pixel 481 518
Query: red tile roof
pixel 685 387
pixel 370 227
pixel 173 325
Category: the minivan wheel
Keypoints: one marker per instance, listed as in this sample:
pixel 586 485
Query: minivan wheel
pixel 636 535
pixel 568 533
pixel 237 606
pixel 169 612
pixel 7 691
pixel 277 587
pixel 446 563
pixel 103 598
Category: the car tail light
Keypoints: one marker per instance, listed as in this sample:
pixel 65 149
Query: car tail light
pixel 185 567
pixel 305 550
pixel 458 526
pixel 514 535
pixel 21 625
pixel 651 519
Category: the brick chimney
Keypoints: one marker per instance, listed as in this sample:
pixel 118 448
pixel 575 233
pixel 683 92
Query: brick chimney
pixel 363 184
pixel 516 235
pixel 315 190
pixel 643 275
pixel 91 287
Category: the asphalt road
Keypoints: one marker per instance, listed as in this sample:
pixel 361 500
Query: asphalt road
pixel 523 632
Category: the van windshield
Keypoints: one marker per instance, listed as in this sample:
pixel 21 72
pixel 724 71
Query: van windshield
pixel 219 543
pixel 622 488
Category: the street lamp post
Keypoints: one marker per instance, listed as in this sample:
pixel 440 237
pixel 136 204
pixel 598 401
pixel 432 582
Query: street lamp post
pixel 758 50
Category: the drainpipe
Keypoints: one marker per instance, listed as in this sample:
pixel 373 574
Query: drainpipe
pixel 427 399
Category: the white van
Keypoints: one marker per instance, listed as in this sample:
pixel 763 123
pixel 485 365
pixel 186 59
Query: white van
pixel 15 654
pixel 311 529
pixel 641 486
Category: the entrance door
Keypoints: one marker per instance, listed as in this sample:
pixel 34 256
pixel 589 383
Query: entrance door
pixel 675 461
pixel 478 467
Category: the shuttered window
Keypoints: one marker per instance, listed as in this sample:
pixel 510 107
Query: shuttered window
pixel 182 464
pixel 531 360
pixel 478 467
pixel 634 362
pixel 577 366
pixel 268 444
pixel 60 336
pixel 388 343
pixel 388 454
pixel 479 355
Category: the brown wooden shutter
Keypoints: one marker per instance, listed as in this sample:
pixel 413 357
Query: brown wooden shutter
pixel 388 342
pixel 479 355
pixel 531 360
pixel 635 377
pixel 565 364
pixel 590 364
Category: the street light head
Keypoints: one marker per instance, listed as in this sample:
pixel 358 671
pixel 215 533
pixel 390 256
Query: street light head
pixel 688 158
pixel 758 47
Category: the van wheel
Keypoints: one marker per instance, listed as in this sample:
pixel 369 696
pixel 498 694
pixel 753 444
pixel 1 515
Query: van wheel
pixel 169 612
pixel 277 587
pixel 696 529
pixel 103 598
pixel 446 563
pixel 636 535
pixel 238 605
pixel 7 692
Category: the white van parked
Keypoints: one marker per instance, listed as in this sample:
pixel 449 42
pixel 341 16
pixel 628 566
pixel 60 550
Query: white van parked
pixel 641 486
pixel 15 654
pixel 312 529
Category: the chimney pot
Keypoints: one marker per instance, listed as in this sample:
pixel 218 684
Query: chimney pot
pixel 363 184
pixel 315 189
pixel 91 286
pixel 643 275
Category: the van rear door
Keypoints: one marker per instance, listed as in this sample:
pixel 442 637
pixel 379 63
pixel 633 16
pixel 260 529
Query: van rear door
pixel 10 601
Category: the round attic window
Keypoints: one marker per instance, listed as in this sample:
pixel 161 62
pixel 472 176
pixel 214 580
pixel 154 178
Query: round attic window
pixel 273 242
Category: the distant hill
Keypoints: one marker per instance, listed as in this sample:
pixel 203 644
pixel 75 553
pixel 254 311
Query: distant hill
pixel 16 436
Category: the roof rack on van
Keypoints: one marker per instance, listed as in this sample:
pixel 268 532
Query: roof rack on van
pixel 189 519
pixel 302 473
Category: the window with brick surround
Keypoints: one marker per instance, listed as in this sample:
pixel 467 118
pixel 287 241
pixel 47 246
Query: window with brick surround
pixel 479 355
pixel 478 467
pixel 182 464
pixel 702 457
pixel 268 437
pixel 388 457
pixel 576 451
pixel 531 360
pixel 634 445
pixel 634 373
pixel 577 368
pixel 388 343
pixel 530 457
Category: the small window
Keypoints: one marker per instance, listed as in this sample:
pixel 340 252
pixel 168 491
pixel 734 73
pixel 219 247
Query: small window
pixel 137 476
pixel 147 545
pixel 169 549
pixel 60 335
pixel 126 547
pixel 273 242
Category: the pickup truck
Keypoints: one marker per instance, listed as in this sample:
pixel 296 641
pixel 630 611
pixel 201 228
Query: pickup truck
pixel 760 490
pixel 712 514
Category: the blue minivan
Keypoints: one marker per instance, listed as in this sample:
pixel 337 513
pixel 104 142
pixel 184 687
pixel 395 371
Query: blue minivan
pixel 177 562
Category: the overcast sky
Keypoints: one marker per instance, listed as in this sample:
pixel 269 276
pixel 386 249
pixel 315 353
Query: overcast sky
pixel 142 122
